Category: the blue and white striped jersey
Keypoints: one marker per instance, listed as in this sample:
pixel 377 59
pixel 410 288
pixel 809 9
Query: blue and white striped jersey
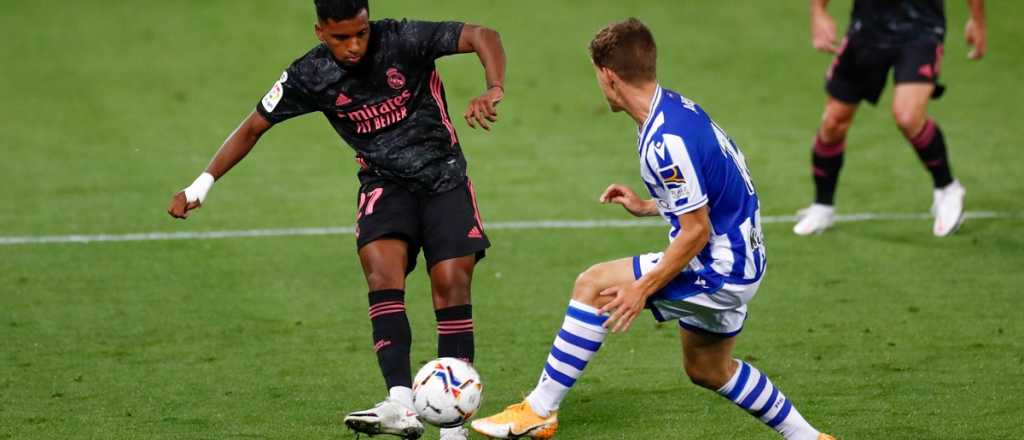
pixel 687 161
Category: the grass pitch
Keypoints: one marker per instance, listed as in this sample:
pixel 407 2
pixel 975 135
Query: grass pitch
pixel 875 330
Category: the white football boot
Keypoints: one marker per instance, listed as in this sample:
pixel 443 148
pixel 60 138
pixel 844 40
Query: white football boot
pixel 948 209
pixel 814 219
pixel 457 433
pixel 388 417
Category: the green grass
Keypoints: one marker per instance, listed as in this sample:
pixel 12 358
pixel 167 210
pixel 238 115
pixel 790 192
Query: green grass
pixel 875 330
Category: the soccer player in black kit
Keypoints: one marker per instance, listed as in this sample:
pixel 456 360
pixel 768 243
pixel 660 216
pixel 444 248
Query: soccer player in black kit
pixel 906 36
pixel 377 85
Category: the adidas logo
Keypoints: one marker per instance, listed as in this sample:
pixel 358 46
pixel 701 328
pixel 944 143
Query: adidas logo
pixel 342 100
pixel 926 71
pixel 475 233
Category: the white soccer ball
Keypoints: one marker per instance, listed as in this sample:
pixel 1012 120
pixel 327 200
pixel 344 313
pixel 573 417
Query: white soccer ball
pixel 447 392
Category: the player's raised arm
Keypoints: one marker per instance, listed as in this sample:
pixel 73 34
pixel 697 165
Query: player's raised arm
pixel 823 28
pixel 486 43
pixel 230 153
pixel 975 31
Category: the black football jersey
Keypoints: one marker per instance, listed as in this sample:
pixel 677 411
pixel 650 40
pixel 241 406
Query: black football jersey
pixel 390 107
pixel 895 22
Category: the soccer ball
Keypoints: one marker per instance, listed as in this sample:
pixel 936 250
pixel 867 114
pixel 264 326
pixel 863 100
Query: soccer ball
pixel 446 392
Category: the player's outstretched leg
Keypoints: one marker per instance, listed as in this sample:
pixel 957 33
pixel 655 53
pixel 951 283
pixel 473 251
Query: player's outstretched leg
pixel 708 362
pixel 392 340
pixel 384 263
pixel 581 335
pixel 450 285
pixel 909 109
pixel 826 162
pixel 576 343
pixel 536 417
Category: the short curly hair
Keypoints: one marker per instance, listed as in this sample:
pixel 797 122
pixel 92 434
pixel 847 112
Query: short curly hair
pixel 338 10
pixel 628 49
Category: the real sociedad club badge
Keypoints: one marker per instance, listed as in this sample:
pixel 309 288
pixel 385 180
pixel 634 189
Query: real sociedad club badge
pixel 395 79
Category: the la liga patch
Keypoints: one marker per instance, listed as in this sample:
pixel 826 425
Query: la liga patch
pixel 275 94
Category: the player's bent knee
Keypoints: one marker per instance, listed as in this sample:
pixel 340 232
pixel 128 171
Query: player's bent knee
pixel 587 288
pixel 384 279
pixel 451 295
pixel 702 379
pixel 705 375
pixel 834 128
pixel 910 121
pixel 451 284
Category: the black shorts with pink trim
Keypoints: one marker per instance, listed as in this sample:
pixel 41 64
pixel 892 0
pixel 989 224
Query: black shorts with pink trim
pixel 860 70
pixel 445 225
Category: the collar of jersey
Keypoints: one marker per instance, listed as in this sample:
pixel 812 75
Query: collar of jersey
pixel 655 100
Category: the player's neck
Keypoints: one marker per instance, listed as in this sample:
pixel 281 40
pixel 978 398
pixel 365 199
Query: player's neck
pixel 637 100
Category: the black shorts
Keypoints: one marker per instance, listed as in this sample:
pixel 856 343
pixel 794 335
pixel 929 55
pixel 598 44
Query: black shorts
pixel 445 225
pixel 859 70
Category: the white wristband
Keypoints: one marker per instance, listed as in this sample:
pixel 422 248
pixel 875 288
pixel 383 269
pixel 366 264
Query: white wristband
pixel 196 192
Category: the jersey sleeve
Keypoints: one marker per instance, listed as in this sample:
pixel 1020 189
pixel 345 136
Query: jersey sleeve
pixel 430 39
pixel 285 100
pixel 679 174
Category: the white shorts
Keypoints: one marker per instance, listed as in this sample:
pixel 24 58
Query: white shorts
pixel 699 304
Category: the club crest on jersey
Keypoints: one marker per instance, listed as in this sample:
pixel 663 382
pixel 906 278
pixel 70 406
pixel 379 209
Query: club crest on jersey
pixel 395 78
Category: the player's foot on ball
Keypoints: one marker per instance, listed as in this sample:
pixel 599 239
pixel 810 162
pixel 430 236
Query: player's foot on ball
pixel 814 219
pixel 459 433
pixel 948 209
pixel 823 436
pixel 388 417
pixel 518 421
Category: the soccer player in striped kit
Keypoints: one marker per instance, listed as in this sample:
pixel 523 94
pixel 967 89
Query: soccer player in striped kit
pixel 699 183
pixel 376 83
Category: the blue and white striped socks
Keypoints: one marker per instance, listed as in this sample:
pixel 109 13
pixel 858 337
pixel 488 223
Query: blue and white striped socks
pixel 581 336
pixel 751 390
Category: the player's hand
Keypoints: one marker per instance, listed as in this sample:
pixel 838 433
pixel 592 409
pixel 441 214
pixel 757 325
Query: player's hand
pixel 482 110
pixel 180 206
pixel 628 303
pixel 975 36
pixel 823 33
pixel 625 196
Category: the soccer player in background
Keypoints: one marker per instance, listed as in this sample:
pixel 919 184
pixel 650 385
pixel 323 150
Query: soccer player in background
pixel 711 269
pixel 905 36
pixel 377 85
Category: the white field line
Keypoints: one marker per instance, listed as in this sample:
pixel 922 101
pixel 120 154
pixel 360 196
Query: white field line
pixel 515 225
